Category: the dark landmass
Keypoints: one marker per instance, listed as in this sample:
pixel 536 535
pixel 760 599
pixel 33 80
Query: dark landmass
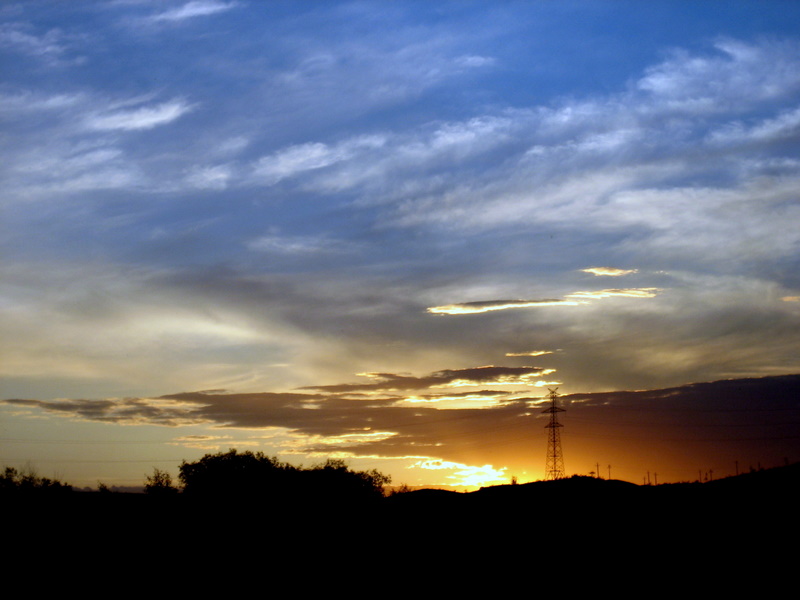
pixel 614 528
pixel 767 497
pixel 772 494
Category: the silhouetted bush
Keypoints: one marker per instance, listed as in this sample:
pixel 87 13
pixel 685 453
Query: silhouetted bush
pixel 337 481
pixel 28 482
pixel 257 476
pixel 234 473
pixel 160 484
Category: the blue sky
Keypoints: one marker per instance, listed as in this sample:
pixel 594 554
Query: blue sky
pixel 315 200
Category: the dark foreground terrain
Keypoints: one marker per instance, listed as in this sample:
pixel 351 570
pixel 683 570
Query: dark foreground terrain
pixel 573 504
pixel 723 530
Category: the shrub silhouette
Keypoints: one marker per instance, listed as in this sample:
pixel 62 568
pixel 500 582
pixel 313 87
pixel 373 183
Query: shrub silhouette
pixel 251 475
pixel 14 482
pixel 160 484
pixel 233 473
pixel 338 482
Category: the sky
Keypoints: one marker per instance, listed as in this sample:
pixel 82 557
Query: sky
pixel 383 231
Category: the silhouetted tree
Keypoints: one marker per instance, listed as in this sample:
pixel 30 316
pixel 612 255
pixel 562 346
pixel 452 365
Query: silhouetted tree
pixel 403 489
pixel 160 484
pixel 336 481
pixel 257 476
pixel 13 481
pixel 234 473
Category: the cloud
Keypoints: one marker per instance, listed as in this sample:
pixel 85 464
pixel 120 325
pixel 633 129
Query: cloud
pixel 628 428
pixel 714 82
pixel 298 159
pixel 616 164
pixel 617 293
pixel 25 101
pixel 393 167
pixel 609 271
pixel 492 305
pixel 68 143
pixel 295 160
pixel 295 245
pixel 215 177
pixel 483 199
pixel 124 411
pixel 141 118
pixel 51 47
pixel 459 400
pixel 338 76
pixel 465 475
pixel 472 60
pixel 488 375
pixel 190 10
pixel 785 127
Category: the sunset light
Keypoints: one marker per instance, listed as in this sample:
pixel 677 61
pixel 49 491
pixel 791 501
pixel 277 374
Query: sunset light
pixel 381 233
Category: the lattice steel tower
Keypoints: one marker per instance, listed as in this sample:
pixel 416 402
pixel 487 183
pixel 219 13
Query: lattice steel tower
pixel 554 466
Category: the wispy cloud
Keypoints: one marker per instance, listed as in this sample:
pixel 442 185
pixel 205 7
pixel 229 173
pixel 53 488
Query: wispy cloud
pixel 492 305
pixel 488 375
pixel 617 293
pixel 125 411
pixel 785 125
pixel 609 271
pixel 295 245
pixel 301 158
pixel 572 299
pixel 52 47
pixel 25 101
pixel 146 117
pixel 190 10
pixel 474 60
pixel 216 177
pixel 714 82
pixel 332 411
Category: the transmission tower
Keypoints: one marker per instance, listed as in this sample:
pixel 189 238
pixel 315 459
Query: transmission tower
pixel 554 466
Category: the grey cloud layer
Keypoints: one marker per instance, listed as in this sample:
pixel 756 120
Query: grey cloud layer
pixel 474 376
pixel 729 419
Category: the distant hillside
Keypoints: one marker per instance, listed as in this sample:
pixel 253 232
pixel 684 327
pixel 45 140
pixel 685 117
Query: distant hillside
pixel 576 503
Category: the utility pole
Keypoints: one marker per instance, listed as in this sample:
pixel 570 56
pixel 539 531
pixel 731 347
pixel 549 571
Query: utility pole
pixel 554 465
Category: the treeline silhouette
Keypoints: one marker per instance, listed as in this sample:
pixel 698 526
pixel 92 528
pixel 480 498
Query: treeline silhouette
pixel 29 483
pixel 256 476
pixel 233 475
pixel 232 498
pixel 243 476
pixel 246 491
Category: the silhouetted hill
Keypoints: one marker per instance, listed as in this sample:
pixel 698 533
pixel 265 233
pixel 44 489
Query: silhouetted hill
pixel 575 504
pixel 752 508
